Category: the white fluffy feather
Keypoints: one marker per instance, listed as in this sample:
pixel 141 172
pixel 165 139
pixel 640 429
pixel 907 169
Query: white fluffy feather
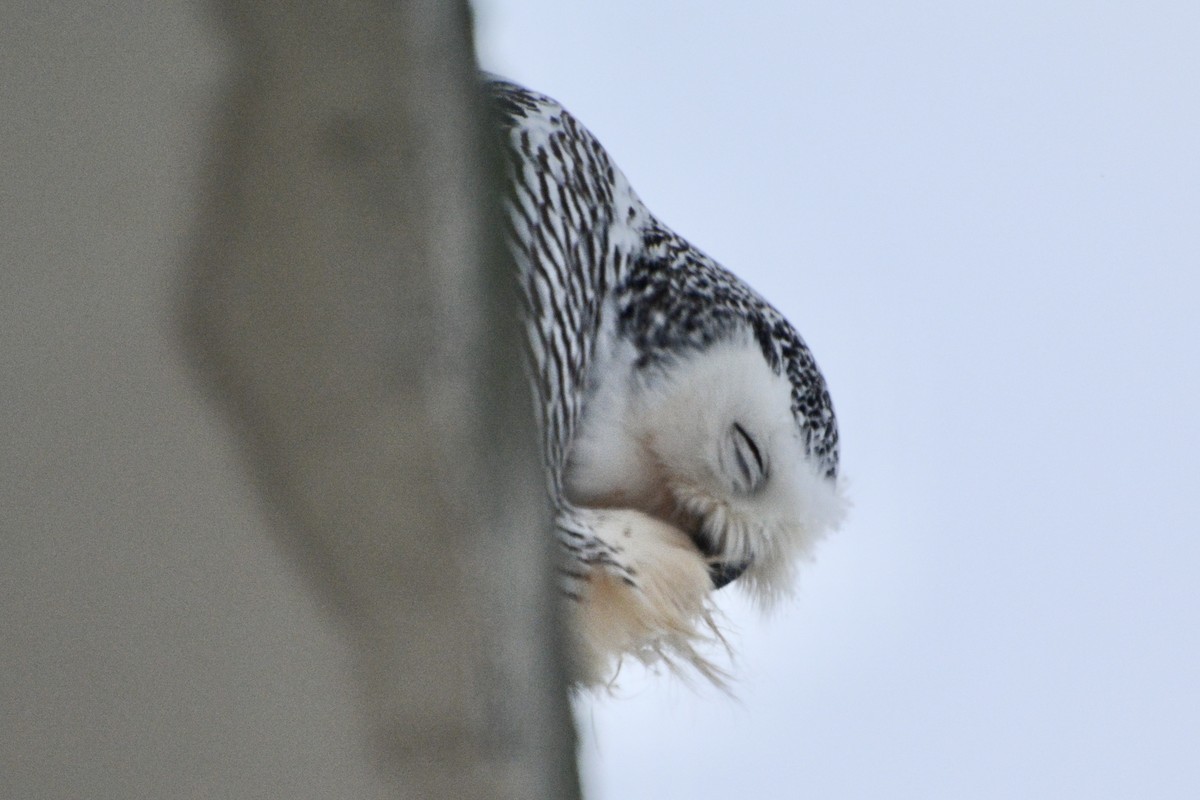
pixel 656 608
pixel 654 442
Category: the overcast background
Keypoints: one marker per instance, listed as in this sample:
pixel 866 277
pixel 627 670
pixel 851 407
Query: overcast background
pixel 985 220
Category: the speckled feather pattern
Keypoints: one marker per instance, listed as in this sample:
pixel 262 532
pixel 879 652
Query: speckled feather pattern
pixel 595 263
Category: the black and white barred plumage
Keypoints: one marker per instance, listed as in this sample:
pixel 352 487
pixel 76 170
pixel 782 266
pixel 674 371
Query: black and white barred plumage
pixel 688 435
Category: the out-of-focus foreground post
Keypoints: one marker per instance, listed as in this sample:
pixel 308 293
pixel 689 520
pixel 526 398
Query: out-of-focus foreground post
pixel 347 307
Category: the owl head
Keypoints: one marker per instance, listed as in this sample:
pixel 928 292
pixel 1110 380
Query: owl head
pixel 709 441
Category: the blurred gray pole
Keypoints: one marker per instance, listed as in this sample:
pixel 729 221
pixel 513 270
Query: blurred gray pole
pixel 350 305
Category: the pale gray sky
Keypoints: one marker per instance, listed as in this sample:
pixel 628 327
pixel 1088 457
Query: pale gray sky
pixel 985 220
